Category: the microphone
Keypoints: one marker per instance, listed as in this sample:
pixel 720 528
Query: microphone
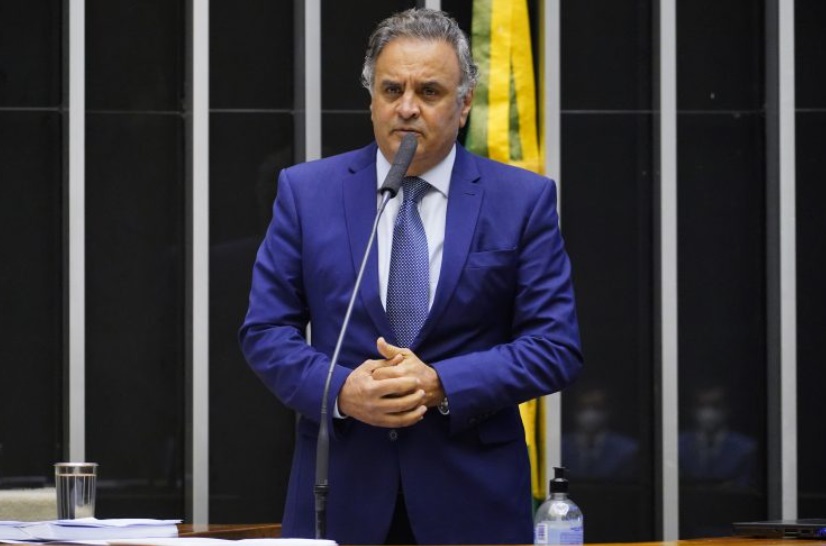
pixel 389 189
pixel 393 180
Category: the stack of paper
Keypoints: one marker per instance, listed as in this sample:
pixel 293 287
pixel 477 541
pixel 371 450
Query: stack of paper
pixel 88 529
pixel 10 530
pixel 199 541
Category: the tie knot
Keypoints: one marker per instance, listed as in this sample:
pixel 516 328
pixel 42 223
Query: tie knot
pixel 414 188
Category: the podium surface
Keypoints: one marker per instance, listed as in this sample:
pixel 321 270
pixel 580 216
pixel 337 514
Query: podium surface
pixel 236 531
pixel 273 530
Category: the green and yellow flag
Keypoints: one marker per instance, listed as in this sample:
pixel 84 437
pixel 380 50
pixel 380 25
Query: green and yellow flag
pixel 503 118
pixel 503 126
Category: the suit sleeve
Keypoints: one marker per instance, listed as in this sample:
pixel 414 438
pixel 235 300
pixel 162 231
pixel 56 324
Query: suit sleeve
pixel 543 354
pixel 272 337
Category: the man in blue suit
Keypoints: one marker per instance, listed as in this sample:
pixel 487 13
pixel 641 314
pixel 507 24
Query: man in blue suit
pixel 427 444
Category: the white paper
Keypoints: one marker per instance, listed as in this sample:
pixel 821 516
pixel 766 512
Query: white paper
pixel 204 541
pixel 89 529
pixel 115 523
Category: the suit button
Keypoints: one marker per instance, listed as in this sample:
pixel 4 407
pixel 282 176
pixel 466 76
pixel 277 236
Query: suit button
pixel 393 435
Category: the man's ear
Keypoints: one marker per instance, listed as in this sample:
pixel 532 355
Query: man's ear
pixel 466 102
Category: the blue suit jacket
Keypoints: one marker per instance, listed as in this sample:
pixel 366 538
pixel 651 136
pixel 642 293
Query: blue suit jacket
pixel 502 329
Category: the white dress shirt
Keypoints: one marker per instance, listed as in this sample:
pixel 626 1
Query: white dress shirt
pixel 433 211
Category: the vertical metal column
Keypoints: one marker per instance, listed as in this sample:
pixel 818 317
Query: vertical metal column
pixel 308 79
pixel 197 159
pixel 429 4
pixel 307 85
pixel 75 238
pixel 666 311
pixel 550 106
pixel 781 274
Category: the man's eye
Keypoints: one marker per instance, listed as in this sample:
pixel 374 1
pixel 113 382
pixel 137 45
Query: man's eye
pixel 393 90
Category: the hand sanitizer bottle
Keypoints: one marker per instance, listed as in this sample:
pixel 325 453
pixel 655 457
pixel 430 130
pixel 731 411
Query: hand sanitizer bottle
pixel 558 520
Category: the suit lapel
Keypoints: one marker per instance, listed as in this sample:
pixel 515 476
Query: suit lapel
pixel 463 204
pixel 359 189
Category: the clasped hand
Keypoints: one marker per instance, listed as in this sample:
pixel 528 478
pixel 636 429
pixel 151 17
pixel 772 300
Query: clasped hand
pixel 393 392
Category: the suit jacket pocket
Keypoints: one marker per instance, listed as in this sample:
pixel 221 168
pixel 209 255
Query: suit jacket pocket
pixel 491 258
pixel 487 286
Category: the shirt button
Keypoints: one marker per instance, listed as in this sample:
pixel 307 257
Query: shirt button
pixel 393 435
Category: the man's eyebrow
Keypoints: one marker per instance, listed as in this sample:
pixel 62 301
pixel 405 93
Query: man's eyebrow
pixel 432 83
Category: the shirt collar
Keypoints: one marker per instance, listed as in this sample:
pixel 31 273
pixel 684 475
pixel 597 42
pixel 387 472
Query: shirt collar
pixel 438 176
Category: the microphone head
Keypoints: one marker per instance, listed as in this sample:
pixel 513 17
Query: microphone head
pixel 407 149
pixel 404 156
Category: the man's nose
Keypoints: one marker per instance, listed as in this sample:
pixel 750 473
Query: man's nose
pixel 408 106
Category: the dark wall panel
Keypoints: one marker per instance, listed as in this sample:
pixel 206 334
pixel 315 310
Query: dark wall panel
pixel 30 53
pixel 135 312
pixel 31 288
pixel 134 55
pixel 31 236
pixel 252 54
pixel 345 131
pixel 135 255
pixel 248 151
pixel 811 322
pixel 607 441
pixel 722 317
pixel 607 220
pixel 721 265
pixel 606 53
pixel 810 49
pixel 249 484
pixel 720 54
pixel 810 53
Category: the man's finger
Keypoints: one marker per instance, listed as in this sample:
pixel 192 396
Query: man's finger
pixel 401 419
pixel 369 366
pixel 387 350
pixel 394 387
pixel 399 404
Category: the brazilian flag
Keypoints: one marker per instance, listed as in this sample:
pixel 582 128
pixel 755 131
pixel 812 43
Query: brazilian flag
pixel 503 127
pixel 503 120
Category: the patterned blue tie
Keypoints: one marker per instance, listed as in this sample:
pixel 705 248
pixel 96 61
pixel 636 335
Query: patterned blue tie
pixel 408 286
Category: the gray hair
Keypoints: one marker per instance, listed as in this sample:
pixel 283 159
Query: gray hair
pixel 421 24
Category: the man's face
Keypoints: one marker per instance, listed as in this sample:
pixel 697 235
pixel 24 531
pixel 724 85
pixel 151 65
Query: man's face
pixel 415 90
